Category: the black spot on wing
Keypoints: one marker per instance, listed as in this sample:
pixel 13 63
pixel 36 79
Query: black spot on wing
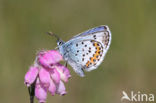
pixel 82 59
pixel 77 45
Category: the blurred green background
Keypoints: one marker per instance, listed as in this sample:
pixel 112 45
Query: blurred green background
pixel 129 65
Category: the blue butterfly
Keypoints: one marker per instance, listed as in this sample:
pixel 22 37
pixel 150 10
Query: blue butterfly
pixel 86 50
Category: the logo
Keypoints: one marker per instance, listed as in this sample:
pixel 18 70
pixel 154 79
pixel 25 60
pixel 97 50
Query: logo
pixel 137 97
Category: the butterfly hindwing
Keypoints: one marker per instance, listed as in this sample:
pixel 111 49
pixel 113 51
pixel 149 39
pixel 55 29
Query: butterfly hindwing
pixel 86 51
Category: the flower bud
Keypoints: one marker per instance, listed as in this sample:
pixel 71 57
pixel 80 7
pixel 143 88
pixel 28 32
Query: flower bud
pixel 40 92
pixel 31 76
pixel 52 88
pixel 55 75
pixel 64 72
pixel 61 90
pixel 44 77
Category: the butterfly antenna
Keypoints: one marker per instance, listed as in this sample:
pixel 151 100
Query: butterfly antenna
pixel 52 34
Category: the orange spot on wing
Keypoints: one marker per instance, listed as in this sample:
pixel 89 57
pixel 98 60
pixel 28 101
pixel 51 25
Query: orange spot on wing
pixel 87 64
pixel 95 56
pixel 92 60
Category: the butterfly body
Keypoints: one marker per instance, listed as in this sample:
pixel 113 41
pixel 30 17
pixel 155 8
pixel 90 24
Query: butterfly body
pixel 86 50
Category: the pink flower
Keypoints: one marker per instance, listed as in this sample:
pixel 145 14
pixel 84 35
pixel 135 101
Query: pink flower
pixel 40 92
pixel 55 75
pixel 61 89
pixel 44 77
pixel 49 58
pixel 63 71
pixel 31 75
pixel 52 88
pixel 48 74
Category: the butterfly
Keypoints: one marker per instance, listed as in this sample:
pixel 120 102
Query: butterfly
pixel 86 51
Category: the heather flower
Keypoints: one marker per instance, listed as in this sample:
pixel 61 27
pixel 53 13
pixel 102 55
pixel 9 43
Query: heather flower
pixel 40 91
pixel 44 77
pixel 61 88
pixel 48 75
pixel 31 75
pixel 49 58
pixel 55 75
pixel 63 71
pixel 52 87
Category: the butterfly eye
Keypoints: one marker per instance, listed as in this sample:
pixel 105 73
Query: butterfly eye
pixel 60 42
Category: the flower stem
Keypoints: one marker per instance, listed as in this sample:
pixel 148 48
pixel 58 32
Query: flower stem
pixel 31 90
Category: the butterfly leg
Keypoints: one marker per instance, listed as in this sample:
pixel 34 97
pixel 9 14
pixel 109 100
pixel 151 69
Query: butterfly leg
pixel 66 64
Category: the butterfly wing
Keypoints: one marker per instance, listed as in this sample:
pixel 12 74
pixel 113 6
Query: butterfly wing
pixel 93 30
pixel 101 34
pixel 86 51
